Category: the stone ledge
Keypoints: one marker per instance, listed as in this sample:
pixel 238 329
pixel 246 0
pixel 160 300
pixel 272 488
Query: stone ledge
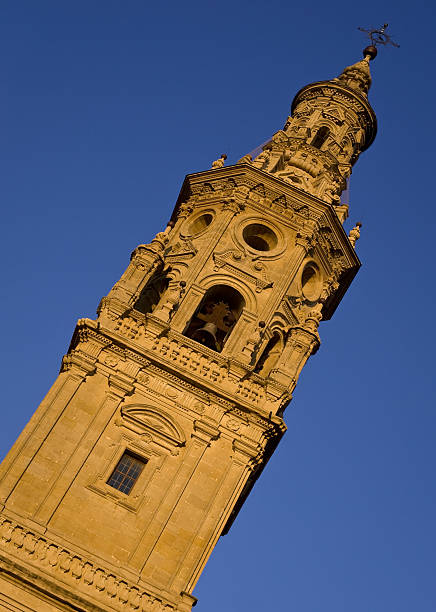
pixel 70 576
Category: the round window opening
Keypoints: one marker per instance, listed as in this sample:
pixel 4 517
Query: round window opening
pixel 311 282
pixel 200 223
pixel 259 237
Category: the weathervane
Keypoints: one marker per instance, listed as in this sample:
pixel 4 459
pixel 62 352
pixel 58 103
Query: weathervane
pixel 379 37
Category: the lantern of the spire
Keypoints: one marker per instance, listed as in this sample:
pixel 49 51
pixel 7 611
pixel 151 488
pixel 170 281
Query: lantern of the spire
pixel 331 123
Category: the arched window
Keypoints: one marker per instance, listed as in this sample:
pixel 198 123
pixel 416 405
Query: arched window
pixel 320 137
pixel 152 293
pixel 216 316
pixel 270 355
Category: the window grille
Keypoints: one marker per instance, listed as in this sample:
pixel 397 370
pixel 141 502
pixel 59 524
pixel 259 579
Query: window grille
pixel 126 473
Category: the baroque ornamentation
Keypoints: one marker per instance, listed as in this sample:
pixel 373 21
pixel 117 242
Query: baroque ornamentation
pixel 185 210
pixel 212 367
pixel 354 234
pixel 130 328
pixel 219 163
pixel 329 127
pixel 183 247
pixel 256 275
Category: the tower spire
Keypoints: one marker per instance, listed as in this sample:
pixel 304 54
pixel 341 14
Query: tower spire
pixel 358 75
pixel 331 123
pixel 170 403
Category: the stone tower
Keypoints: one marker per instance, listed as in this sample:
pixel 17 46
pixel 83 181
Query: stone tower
pixel 168 405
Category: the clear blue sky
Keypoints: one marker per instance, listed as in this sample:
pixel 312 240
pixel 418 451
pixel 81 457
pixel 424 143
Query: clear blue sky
pixel 105 107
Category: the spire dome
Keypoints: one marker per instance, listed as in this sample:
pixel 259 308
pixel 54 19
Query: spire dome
pixel 358 75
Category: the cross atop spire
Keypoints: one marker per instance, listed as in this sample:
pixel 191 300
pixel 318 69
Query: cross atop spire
pixel 379 36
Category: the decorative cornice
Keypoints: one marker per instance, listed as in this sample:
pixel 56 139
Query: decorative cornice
pixel 195 369
pixel 240 172
pixel 31 550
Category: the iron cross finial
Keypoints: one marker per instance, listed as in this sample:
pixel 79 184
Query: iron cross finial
pixel 379 36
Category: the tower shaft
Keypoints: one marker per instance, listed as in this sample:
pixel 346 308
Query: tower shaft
pixel 170 403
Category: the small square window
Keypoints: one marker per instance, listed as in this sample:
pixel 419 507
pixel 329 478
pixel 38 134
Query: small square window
pixel 126 473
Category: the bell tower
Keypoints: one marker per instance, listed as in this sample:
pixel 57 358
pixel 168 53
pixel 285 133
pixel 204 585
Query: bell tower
pixel 169 404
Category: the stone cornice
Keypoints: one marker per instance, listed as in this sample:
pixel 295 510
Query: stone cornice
pixel 299 198
pixel 239 170
pixel 203 384
pixel 53 568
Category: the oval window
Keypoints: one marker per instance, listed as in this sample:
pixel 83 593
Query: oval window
pixel 259 237
pixel 200 223
pixel 311 282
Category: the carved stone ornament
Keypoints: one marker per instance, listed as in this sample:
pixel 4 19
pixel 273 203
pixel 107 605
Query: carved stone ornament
pixel 246 159
pixel 233 205
pixel 183 247
pixel 313 319
pixel 185 210
pixel 130 327
pixel 145 418
pixel 111 361
pixel 236 263
pixel 170 301
pixel 171 392
pixel 143 378
pixel 219 163
pixel 206 365
pixel 354 234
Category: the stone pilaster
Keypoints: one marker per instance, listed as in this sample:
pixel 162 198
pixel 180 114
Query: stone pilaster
pixel 120 386
pixel 202 435
pixel 75 371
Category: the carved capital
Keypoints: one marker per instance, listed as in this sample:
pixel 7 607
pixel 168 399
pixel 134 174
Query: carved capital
pixel 85 322
pixel 185 210
pixel 303 340
pixel 342 212
pixel 111 308
pixel 313 319
pixel 205 432
pixel 300 344
pixel 78 363
pixel 87 340
pixel 331 284
pixel 170 301
pixel 305 239
pixel 245 453
pixel 233 205
pixel 120 384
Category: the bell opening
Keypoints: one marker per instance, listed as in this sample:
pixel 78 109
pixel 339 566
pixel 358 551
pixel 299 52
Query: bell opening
pixel 215 317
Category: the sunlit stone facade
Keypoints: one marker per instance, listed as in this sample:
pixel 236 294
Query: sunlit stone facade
pixel 170 403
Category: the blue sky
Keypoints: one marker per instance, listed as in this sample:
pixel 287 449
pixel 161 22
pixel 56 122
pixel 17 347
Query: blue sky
pixel 105 106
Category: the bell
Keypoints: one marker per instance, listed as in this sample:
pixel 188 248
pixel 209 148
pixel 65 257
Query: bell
pixel 206 336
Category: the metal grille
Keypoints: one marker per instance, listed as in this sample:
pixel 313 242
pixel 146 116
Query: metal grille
pixel 126 473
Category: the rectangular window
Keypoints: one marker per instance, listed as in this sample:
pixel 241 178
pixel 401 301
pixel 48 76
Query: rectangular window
pixel 126 473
